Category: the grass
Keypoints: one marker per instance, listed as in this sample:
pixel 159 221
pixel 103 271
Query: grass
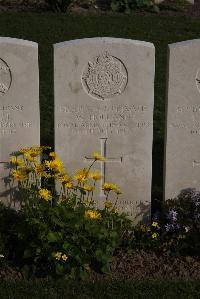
pixel 49 28
pixel 107 290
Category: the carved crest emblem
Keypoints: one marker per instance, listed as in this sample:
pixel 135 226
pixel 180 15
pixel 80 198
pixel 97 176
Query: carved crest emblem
pixel 197 79
pixel 104 77
pixel 5 77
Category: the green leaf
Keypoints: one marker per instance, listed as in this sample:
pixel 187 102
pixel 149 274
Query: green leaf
pixel 66 245
pixel 57 221
pixel 105 268
pixel 115 6
pixel 53 237
pixel 59 269
pixel 28 253
pixel 83 274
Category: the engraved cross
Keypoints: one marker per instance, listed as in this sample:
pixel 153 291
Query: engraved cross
pixel 196 163
pixel 103 142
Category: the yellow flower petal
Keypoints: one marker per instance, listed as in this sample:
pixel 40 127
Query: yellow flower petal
pixel 98 156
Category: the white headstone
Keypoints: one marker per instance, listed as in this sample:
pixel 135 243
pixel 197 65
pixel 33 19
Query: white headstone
pixel 182 160
pixel 104 94
pixel 160 1
pixel 19 104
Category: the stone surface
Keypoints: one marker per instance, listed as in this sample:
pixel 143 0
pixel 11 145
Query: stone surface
pixel 104 102
pixel 182 161
pixel 160 1
pixel 19 104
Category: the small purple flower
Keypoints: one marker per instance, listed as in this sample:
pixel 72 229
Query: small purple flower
pixel 172 215
pixel 168 227
pixel 171 227
pixel 197 203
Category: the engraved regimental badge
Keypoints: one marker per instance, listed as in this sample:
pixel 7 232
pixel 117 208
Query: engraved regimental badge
pixel 104 77
pixel 5 77
pixel 197 79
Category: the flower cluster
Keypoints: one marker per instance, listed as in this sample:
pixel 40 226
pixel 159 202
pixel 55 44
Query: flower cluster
pixel 107 187
pixel 73 234
pixel 45 166
pixel 60 256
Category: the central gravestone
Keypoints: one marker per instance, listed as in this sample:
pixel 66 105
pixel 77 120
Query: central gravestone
pixel 19 105
pixel 104 103
pixel 182 159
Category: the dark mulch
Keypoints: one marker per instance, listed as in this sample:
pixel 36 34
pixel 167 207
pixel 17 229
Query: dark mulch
pixel 136 266
pixel 142 265
pixel 40 6
pixel 23 6
pixel 189 11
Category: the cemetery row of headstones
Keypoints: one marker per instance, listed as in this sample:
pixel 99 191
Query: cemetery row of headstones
pixel 104 97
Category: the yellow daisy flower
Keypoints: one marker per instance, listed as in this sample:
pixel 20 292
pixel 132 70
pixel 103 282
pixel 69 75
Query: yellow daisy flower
pixel 45 194
pixel 114 210
pixel 17 161
pixel 57 255
pixel 108 204
pixel 95 175
pixel 39 169
pixel 55 165
pixel 69 185
pixel 64 178
pixel 155 224
pixel 92 214
pixel 154 235
pixel 88 188
pixel 98 157
pixel 52 154
pixel 20 174
pixel 109 186
pixel 81 175
pixel 64 257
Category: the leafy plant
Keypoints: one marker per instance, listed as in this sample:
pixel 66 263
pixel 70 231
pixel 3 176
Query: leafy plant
pixel 58 5
pixel 178 5
pixel 128 5
pixel 85 3
pixel 176 231
pixel 64 233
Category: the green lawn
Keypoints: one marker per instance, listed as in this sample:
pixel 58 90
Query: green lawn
pixel 47 29
pixel 106 290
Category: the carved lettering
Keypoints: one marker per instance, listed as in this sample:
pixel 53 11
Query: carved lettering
pixel 114 119
pixel 7 122
pixel 103 108
pixel 11 108
pixel 7 132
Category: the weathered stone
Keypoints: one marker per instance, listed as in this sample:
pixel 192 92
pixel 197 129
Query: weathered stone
pixel 19 104
pixel 182 161
pixel 104 102
pixel 160 1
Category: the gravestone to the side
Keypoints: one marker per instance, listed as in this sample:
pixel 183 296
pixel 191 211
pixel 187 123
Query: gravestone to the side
pixel 104 91
pixel 19 104
pixel 182 158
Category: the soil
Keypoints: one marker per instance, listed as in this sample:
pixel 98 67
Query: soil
pixel 136 266
pixel 144 266
pixel 99 9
